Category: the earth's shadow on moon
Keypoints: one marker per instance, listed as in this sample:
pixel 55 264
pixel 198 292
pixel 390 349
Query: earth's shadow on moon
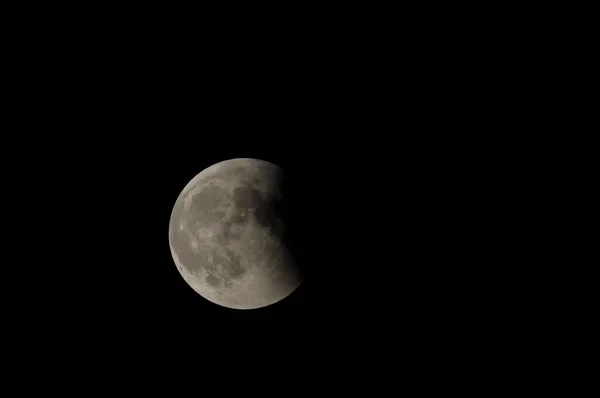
pixel 296 209
pixel 303 226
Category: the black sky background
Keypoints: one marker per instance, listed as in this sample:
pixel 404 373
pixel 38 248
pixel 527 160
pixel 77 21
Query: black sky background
pixel 373 219
pixel 393 187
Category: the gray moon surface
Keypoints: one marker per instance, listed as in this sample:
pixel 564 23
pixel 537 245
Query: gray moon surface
pixel 226 237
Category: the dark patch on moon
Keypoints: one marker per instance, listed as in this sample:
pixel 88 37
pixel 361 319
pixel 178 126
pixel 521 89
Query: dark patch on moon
pixel 227 233
pixel 222 238
pixel 232 268
pixel 270 216
pixel 246 198
pixel 239 217
pixel 256 181
pixel 217 215
pixel 231 231
pixel 212 280
pixel 208 198
pixel 266 214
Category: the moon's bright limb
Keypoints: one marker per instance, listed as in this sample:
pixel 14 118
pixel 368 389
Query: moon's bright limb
pixel 226 236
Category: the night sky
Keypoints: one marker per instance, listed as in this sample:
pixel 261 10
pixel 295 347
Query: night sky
pixel 390 209
pixel 377 223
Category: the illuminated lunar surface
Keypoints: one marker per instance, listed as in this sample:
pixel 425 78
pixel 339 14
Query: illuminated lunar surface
pixel 226 235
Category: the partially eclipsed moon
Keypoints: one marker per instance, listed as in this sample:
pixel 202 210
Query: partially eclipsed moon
pixel 226 235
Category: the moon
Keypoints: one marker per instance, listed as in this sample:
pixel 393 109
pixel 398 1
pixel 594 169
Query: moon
pixel 226 235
